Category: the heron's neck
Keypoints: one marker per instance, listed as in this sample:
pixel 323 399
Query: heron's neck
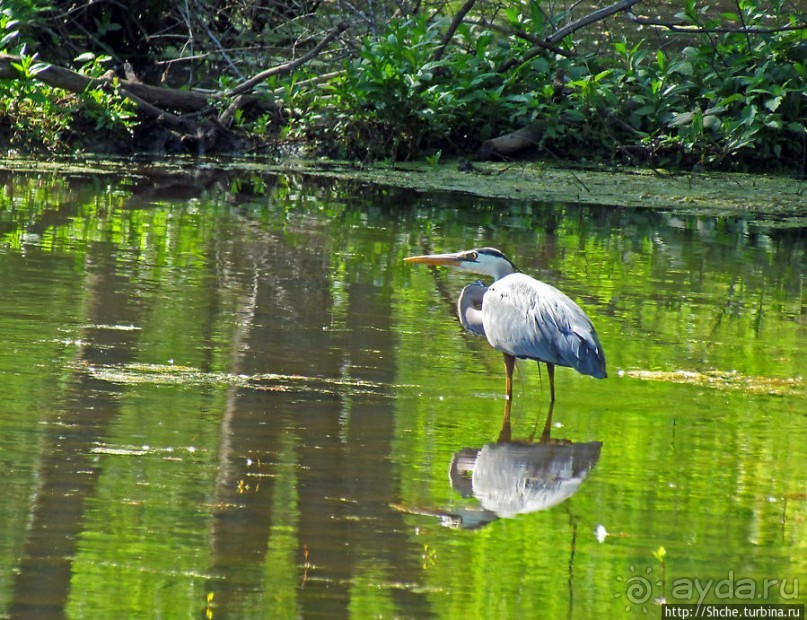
pixel 471 319
pixel 469 308
pixel 501 269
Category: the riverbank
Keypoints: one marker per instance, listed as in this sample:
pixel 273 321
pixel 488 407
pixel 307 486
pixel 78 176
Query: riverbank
pixel 779 201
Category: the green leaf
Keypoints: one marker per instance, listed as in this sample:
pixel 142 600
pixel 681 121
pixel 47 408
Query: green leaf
pixel 684 67
pixel 773 103
pixel 21 68
pixel 8 38
pixel 537 16
pixel 715 110
pixel 683 118
pixel 711 122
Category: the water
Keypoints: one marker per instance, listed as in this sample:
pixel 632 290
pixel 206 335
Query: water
pixel 224 395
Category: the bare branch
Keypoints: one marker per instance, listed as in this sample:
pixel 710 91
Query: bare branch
pixel 536 41
pixel 216 42
pixel 324 77
pixel 288 67
pixel 595 16
pixel 550 44
pixel 452 28
pixel 683 27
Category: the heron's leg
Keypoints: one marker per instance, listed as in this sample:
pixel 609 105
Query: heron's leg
pixel 548 423
pixel 505 433
pixel 545 435
pixel 509 364
pixel 550 370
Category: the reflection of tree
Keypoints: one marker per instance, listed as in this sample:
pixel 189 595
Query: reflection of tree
pixel 77 220
pixel 297 320
pixel 233 295
pixel 66 471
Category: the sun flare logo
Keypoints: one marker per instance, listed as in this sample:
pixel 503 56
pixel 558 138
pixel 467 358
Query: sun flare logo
pixel 638 589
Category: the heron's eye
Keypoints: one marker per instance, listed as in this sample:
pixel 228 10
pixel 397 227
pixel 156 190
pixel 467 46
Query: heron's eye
pixel 472 255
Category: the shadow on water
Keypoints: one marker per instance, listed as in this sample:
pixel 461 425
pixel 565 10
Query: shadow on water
pixel 512 477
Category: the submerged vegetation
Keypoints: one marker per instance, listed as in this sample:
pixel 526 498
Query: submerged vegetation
pixel 713 86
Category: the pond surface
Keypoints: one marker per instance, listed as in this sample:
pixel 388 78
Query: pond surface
pixel 225 395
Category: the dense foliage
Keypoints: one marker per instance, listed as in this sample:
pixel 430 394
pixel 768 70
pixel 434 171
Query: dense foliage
pixel 716 86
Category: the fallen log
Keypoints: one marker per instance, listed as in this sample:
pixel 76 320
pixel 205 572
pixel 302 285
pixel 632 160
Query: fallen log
pixel 74 82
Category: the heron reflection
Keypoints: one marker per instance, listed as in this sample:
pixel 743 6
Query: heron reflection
pixel 510 478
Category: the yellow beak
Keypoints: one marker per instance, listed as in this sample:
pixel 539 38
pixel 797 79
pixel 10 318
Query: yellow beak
pixel 436 259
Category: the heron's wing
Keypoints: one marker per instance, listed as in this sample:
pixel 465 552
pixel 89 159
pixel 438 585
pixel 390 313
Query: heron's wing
pixel 524 317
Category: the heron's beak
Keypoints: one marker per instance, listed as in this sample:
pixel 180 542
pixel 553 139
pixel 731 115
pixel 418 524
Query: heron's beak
pixel 437 259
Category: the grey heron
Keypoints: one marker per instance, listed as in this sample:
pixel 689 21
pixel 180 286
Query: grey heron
pixel 522 317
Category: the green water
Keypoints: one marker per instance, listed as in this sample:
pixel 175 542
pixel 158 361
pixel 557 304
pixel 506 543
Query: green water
pixel 224 395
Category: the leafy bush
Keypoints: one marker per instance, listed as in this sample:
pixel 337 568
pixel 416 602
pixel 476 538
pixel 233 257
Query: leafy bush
pixel 31 117
pixel 35 116
pixel 392 98
pixel 728 97
pixel 104 105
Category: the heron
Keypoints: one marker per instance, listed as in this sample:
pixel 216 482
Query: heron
pixel 522 317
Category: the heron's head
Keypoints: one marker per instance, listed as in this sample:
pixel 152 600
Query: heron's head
pixel 487 261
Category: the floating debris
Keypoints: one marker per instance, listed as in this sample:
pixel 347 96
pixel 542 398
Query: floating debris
pixel 119 328
pixel 172 374
pixel 129 450
pixel 721 379
pixel 120 450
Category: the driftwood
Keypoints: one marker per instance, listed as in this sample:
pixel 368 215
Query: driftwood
pixel 508 144
pixel 165 106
